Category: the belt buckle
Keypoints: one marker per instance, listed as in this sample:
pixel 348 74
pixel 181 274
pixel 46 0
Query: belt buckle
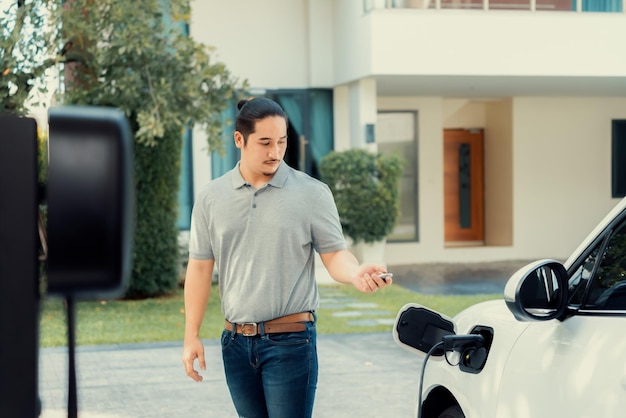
pixel 255 328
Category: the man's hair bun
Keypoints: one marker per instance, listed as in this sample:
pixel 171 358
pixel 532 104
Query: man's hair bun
pixel 241 103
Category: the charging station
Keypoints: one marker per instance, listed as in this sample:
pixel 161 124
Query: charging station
pixel 88 234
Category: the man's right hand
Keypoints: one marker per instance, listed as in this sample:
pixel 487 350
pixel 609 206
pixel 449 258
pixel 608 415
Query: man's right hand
pixel 192 350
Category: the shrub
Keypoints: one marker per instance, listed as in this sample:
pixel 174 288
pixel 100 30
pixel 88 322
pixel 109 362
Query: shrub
pixel 155 255
pixel 366 190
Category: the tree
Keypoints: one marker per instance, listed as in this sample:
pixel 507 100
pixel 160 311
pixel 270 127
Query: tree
pixel 136 56
pixel 24 47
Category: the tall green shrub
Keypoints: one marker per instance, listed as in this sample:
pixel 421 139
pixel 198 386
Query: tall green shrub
pixel 157 171
pixel 365 186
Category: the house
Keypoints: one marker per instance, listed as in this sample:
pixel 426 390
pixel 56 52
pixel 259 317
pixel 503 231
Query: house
pixel 511 114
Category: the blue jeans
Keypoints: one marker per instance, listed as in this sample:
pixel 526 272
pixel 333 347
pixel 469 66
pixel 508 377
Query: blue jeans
pixel 273 375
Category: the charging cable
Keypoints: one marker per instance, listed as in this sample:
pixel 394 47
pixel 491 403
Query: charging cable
pixel 72 401
pixel 460 343
pixel 419 396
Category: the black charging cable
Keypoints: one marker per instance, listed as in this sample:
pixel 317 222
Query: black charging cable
pixel 419 396
pixel 460 343
pixel 463 344
pixel 72 401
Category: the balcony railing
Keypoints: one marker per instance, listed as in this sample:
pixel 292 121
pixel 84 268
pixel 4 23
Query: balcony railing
pixel 609 6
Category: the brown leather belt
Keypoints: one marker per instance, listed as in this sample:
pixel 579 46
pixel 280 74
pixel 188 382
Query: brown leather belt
pixel 287 323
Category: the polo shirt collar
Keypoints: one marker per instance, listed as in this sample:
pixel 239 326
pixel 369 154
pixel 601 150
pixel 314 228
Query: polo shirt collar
pixel 278 180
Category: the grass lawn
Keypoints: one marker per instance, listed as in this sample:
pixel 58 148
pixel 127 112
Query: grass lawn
pixel 162 319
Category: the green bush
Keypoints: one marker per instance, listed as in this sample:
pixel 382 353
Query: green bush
pixel 366 190
pixel 155 255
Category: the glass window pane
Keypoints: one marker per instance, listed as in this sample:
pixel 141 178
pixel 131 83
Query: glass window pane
pixel 601 5
pixel 465 184
pixel 396 134
pixel 618 156
pixel 220 164
pixel 608 288
pixel 185 191
pixel 579 280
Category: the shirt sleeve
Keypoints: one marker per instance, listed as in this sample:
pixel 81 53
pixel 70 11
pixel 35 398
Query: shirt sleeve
pixel 326 228
pixel 200 247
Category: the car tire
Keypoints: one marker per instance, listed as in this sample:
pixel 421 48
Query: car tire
pixel 452 412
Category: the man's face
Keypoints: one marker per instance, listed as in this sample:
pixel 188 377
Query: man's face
pixel 265 149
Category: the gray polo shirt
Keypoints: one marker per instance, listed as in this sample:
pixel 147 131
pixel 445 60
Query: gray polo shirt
pixel 263 241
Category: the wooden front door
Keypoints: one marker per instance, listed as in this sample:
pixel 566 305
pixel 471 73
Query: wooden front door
pixel 463 186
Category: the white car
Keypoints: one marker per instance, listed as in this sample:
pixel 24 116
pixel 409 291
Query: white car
pixel 555 346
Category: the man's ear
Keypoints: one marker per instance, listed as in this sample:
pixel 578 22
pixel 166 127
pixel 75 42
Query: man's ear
pixel 238 139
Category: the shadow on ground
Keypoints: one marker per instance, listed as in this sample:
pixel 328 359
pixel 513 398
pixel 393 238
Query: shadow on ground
pixel 456 278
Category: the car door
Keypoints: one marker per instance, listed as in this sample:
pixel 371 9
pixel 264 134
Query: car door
pixel 576 367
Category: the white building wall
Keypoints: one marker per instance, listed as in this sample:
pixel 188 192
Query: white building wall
pixel 321 38
pixel 271 43
pixel 341 116
pixel 552 183
pixel 362 111
pixel 562 170
pixel 352 44
pixel 498 173
pixel 456 42
pixel 561 179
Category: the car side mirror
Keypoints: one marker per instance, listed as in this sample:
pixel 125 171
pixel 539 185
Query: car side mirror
pixel 537 291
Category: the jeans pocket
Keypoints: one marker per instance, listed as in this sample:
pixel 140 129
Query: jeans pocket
pixel 226 339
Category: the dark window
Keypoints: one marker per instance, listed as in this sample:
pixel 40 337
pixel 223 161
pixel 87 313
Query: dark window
pixel 580 279
pixel 600 282
pixel 618 171
pixel 608 288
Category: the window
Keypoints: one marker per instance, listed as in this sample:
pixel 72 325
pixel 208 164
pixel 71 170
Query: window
pixel 310 114
pixel 598 5
pixel 185 191
pixel 310 130
pixel 220 164
pixel 580 279
pixel 600 282
pixel 396 133
pixel 618 157
pixel 608 287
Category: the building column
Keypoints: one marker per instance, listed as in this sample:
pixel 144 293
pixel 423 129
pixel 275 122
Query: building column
pixel 355 107
pixel 363 112
pixel 341 117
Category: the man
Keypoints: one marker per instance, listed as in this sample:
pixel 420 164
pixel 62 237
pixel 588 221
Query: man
pixel 259 226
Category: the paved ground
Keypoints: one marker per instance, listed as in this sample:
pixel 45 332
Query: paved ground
pixel 362 375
